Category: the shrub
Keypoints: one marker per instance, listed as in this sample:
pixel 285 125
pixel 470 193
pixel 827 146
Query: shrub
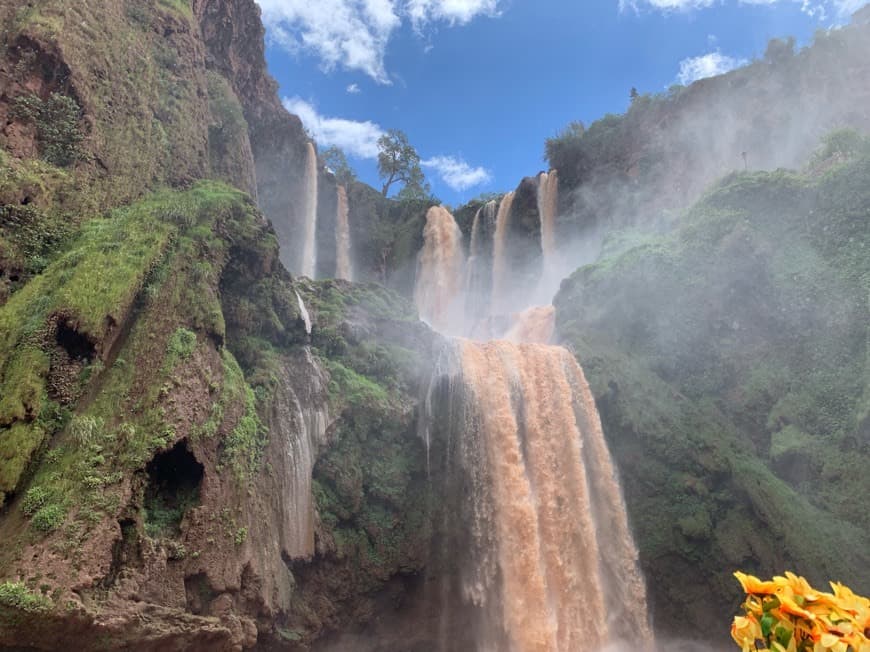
pixel 48 518
pixel 787 615
pixel 35 498
pixel 841 144
pixel 16 596
pixel 181 344
pixel 86 430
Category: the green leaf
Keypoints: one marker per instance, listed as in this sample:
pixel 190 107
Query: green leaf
pixel 767 623
pixel 783 636
pixel 771 603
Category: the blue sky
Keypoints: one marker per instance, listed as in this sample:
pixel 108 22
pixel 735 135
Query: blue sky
pixel 478 85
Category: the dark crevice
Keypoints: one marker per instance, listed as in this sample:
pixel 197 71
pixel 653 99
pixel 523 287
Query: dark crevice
pixel 125 551
pixel 174 480
pixel 198 593
pixel 76 345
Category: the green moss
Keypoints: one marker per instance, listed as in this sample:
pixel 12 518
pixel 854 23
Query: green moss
pixel 57 125
pixel 734 412
pixel 163 515
pixel 348 387
pixel 244 446
pixel 181 346
pixel 127 419
pixel 28 367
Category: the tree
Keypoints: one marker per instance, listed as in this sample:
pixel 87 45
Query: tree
pixel 633 94
pixel 398 161
pixel 335 159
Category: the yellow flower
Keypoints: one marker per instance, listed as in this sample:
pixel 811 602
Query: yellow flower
pixel 752 584
pixel 788 609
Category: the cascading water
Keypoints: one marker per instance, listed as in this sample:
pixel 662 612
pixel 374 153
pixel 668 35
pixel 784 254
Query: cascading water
pixel 499 254
pixel 548 205
pixel 440 268
pixel 536 536
pixel 309 213
pixel 343 269
pixel 533 326
pixel 551 565
pixel 478 277
pixel 303 312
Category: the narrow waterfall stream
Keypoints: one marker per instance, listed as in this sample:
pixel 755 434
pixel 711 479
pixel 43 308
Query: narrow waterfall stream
pixel 309 250
pixel 343 268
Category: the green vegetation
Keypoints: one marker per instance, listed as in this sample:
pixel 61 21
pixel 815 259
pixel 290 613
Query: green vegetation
pixel 14 595
pixel 230 157
pixel 156 264
pixel 180 348
pixel 163 515
pixel 738 408
pixel 398 162
pixel 334 158
pixel 57 126
pixel 48 518
pixel 243 448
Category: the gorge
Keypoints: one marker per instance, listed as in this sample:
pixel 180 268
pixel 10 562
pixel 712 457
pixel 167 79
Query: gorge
pixel 250 403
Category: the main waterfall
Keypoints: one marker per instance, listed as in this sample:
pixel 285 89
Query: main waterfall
pixel 552 565
pixel 536 535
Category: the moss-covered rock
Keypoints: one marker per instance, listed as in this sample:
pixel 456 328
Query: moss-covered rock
pixel 729 361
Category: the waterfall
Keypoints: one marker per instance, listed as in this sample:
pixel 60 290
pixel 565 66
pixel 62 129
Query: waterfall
pixel 309 213
pixel 548 206
pixel 440 268
pixel 499 254
pixel 536 550
pixel 535 325
pixel 303 311
pixel 478 279
pixel 298 421
pixel 343 268
pixel 551 565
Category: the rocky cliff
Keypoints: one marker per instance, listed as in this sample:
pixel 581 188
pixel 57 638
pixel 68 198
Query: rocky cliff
pixel 729 362
pixel 175 446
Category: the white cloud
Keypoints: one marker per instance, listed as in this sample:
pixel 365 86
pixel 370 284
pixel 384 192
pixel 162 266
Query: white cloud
pixel 453 12
pixel 360 139
pixel 354 34
pixel 349 33
pixel 354 89
pixel 818 8
pixel 356 138
pixel 456 173
pixel 707 65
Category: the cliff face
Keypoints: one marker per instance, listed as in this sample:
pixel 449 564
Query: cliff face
pixel 182 466
pixel 161 429
pixel 729 362
pixel 141 108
